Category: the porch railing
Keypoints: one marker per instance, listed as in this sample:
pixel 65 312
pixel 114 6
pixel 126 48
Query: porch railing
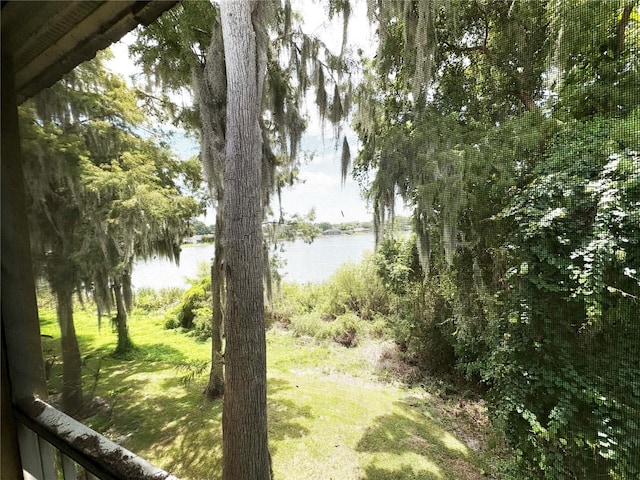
pixel 54 446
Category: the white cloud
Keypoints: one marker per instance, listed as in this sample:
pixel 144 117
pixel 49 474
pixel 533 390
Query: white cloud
pixel 319 182
pixel 121 63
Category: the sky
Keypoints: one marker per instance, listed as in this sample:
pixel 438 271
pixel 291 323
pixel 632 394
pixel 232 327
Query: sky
pixel 321 188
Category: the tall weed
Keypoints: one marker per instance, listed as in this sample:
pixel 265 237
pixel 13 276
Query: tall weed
pixel 153 300
pixel 356 288
pixel 347 329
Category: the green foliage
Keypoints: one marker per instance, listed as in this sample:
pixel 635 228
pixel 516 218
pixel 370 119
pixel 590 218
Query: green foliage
pixel 296 299
pixel 324 226
pixel 202 320
pixel 421 323
pixel 355 288
pixel 514 138
pixel 291 228
pixel 194 310
pixel 100 195
pixel 397 264
pixel 350 306
pixel 347 329
pixel 597 53
pixel 310 325
pixel 200 228
pixel 564 361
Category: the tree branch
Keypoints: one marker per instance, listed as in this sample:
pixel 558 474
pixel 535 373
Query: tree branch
pixel 622 26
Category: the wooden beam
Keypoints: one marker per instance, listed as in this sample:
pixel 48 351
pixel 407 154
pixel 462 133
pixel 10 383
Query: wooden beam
pixel 43 26
pixel 20 325
pixel 48 39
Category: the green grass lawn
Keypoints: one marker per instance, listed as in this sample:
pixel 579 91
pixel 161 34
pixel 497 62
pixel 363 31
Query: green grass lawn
pixel 330 415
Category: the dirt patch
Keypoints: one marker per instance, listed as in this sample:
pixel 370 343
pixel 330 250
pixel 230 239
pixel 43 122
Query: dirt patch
pixel 388 362
pixel 337 377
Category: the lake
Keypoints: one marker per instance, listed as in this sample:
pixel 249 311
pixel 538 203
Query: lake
pixel 314 262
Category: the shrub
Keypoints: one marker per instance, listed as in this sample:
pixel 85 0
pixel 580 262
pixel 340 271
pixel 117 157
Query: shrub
pixel 379 327
pixel 195 301
pixel 152 300
pixel 295 299
pixel 355 288
pixel 421 327
pixel 310 325
pixel 202 321
pixel 565 364
pixel 421 323
pixel 347 329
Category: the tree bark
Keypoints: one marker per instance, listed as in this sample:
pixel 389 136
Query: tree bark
pixel 127 290
pixel 72 398
pixel 244 418
pixel 211 90
pixel 124 342
pixel 622 27
pixel 215 387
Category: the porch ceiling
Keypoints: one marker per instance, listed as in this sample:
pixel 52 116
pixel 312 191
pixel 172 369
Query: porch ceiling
pixel 47 39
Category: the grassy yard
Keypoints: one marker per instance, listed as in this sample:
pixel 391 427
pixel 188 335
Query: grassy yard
pixel 330 414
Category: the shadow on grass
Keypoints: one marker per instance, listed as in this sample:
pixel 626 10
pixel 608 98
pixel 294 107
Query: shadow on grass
pixel 154 414
pixel 283 414
pixel 405 472
pixel 157 352
pixel 396 438
pixel 95 360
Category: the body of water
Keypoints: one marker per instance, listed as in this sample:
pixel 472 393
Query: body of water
pixel 314 262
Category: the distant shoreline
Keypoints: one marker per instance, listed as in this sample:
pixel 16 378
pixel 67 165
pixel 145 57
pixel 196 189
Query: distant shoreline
pixel 320 236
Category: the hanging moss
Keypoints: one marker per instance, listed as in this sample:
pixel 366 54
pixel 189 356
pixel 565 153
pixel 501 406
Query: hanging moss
pixel 321 93
pixel 345 159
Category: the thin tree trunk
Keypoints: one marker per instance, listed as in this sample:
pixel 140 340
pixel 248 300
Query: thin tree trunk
pixel 127 290
pixel 124 342
pixel 244 418
pixel 622 27
pixel 72 398
pixel 211 90
pixel 215 387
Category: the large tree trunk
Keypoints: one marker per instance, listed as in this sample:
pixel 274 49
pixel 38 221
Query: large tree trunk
pixel 244 418
pixel 72 398
pixel 124 342
pixel 215 387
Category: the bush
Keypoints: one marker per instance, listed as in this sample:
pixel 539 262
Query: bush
pixel 202 321
pixel 310 325
pixel 194 306
pixel 355 288
pixel 346 329
pixel 152 300
pixel 352 304
pixel 421 323
pixel 295 299
pixel 379 327
pixel 565 363
pixel 422 329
